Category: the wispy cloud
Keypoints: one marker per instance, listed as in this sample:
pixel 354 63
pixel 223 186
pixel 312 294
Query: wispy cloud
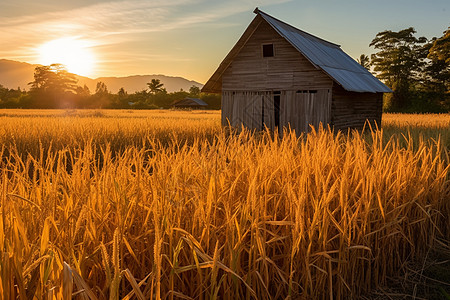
pixel 94 21
pixel 109 25
pixel 122 18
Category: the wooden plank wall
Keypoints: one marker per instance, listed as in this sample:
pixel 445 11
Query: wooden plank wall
pixel 298 110
pixel 288 69
pixel 351 110
pixel 246 109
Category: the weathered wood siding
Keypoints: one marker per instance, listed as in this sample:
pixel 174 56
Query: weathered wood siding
pixel 351 110
pixel 298 110
pixel 246 109
pixel 286 70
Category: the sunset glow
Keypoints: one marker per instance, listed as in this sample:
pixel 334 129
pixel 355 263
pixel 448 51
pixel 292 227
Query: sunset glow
pixel 188 38
pixel 75 54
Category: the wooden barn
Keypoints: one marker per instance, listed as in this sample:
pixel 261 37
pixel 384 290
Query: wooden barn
pixel 192 103
pixel 277 75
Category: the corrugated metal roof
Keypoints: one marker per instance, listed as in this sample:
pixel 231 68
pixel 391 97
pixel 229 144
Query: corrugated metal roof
pixel 329 57
pixel 199 101
pixel 190 102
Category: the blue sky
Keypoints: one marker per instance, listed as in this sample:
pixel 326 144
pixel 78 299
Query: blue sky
pixel 190 38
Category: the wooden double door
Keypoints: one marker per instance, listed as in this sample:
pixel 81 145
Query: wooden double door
pixel 298 110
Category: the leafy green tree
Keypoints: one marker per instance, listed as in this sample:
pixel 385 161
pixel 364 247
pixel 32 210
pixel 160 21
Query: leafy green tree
pixel 83 96
pixel 52 85
pixel 194 91
pixel 3 92
pixel 398 62
pixel 83 91
pixel 155 86
pixel 122 93
pixel 53 78
pixel 102 97
pixel 9 98
pixel 439 56
pixel 213 100
pixel 101 88
pixel 441 48
pixel 139 99
pixel 436 73
pixel 364 61
pixel 437 70
pixel 122 98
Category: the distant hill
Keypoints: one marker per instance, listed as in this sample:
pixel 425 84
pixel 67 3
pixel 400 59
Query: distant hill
pixel 138 83
pixel 14 74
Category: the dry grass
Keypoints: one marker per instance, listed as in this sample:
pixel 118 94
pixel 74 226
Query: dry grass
pixel 418 127
pixel 113 207
pixel 417 120
pixel 41 131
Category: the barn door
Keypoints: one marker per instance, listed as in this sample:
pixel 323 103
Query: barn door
pixel 305 108
pixel 267 111
pixel 253 110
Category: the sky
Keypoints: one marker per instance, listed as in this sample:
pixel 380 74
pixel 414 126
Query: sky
pixel 189 38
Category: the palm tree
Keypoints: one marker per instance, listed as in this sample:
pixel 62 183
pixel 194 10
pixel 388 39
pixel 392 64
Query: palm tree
pixel 155 86
pixel 364 61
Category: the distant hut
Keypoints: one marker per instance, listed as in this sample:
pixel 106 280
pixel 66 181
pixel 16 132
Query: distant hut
pixel 193 103
pixel 277 75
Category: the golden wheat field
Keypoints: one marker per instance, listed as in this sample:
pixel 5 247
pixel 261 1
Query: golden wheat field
pixel 168 205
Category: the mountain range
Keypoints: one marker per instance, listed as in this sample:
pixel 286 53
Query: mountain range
pixel 14 74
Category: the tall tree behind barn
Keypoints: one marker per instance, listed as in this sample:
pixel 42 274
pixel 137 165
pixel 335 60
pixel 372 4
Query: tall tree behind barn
pixel 277 75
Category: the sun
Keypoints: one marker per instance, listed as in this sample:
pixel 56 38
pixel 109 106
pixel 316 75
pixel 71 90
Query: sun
pixel 75 54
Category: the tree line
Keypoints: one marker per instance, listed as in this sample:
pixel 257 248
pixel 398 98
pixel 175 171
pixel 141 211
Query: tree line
pixel 415 68
pixel 54 87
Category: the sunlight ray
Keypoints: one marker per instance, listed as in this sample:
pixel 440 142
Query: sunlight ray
pixel 74 53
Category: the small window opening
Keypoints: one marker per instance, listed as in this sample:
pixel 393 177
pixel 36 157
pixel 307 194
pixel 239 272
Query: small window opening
pixel 268 50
